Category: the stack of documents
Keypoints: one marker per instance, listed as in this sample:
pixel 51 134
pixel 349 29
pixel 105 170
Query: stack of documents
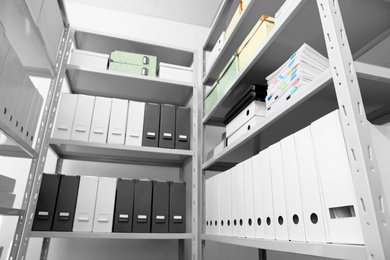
pixel 299 70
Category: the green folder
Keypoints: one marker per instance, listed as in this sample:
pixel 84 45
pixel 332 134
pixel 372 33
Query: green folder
pixel 133 69
pixel 133 58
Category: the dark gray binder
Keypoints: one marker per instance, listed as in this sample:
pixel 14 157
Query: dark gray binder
pixel 66 203
pixel 177 207
pixel 183 119
pixel 167 126
pixel 160 208
pixel 44 212
pixel 142 206
pixel 151 125
pixel 124 206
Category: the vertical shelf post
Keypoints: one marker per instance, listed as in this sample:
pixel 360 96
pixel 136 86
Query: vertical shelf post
pixel 45 248
pixel 375 218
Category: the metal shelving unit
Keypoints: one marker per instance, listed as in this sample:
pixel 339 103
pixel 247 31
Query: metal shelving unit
pixel 325 26
pixel 144 236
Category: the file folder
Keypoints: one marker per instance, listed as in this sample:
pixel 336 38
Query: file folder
pixel 142 206
pixel 292 187
pixel 208 202
pixel 83 118
pixel 167 126
pixel 86 202
pixel 313 215
pixel 7 184
pixel 343 223
pixel 278 193
pixel 124 206
pixel 7 199
pixel 216 205
pixel 267 194
pixel 19 124
pixel 151 132
pixel 183 126
pixel 222 205
pixel 135 123
pixel 65 115
pixel 240 200
pixel 105 201
pixel 160 207
pixel 177 207
pixel 44 212
pixel 228 202
pixel 249 222
pixel 66 203
pixel 117 125
pixel 235 201
pixel 259 220
pixel 100 120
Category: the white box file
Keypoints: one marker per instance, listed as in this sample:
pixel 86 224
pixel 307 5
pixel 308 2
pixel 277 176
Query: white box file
pixel 118 117
pixel 254 121
pixel 105 202
pixel 82 119
pixel 256 108
pixel 208 202
pixel 65 115
pixel 100 120
pixel 249 222
pixel 175 72
pixel 267 195
pixel 240 200
pixel 85 206
pixel 258 197
pixel 228 202
pixel 135 123
pixel 235 202
pixel 89 59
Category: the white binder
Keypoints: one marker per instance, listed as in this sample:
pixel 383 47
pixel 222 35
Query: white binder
pixel 228 202
pixel 19 123
pixel 249 212
pixel 268 207
pixel 100 120
pixel 83 118
pixel 118 117
pixel 235 201
pixel 222 204
pixel 278 194
pixel 65 115
pixel 313 215
pixel 135 123
pixel 296 228
pixel 240 200
pixel 105 202
pixel 208 202
pixel 258 197
pixel 85 206
pixel 216 206
pixel 33 117
pixel 343 223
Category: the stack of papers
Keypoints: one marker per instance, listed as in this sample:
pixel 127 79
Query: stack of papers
pixel 299 70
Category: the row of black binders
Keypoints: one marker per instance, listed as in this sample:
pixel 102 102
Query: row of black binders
pixel 101 204
pixel 119 121
pixel 298 189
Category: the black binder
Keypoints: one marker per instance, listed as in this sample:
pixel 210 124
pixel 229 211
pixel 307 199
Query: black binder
pixel 142 206
pixel 167 126
pixel 177 207
pixel 183 119
pixel 124 205
pixel 160 208
pixel 44 212
pixel 66 203
pixel 151 125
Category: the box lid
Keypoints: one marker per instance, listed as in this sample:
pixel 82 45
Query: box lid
pixel 173 66
pixel 90 53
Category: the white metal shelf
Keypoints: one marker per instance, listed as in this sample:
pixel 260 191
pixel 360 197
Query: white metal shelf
pixel 338 251
pixel 145 236
pixel 83 80
pixel 10 211
pixel 301 25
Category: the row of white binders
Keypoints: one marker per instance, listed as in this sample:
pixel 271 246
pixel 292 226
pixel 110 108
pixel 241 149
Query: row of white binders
pixel 102 204
pixel 7 186
pixel 298 189
pixel 20 101
pixel 119 121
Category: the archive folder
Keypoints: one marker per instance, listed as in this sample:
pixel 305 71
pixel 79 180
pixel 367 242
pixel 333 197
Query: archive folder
pixel 177 207
pixel 124 206
pixel 65 115
pixel 151 125
pixel 85 206
pixel 235 202
pixel 66 203
pixel 142 206
pixel 259 221
pixel 82 118
pixel 160 207
pixel 292 188
pixel 183 119
pixel 249 212
pixel 104 209
pixel 135 123
pixel 117 125
pixel 100 120
pixel 33 117
pixel 44 212
pixel 240 199
pixel 343 223
pixel 18 123
pixel 216 213
pixel 167 126
pixel 313 215
pixel 222 205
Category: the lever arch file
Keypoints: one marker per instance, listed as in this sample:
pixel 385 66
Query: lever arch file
pixel 124 206
pixel 177 207
pixel 104 209
pixel 167 126
pixel 151 125
pixel 183 119
pixel 160 208
pixel 142 206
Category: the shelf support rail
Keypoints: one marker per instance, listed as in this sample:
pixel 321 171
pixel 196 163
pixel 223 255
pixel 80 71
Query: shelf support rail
pixel 372 207
pixel 21 237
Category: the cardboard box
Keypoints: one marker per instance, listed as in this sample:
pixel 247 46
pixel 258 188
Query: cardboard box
pixel 233 22
pixel 256 36
pixel 89 59
pixel 175 72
